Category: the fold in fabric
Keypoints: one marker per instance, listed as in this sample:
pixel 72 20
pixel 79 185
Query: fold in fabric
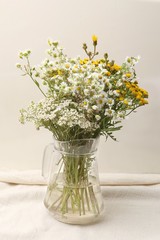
pixel 34 177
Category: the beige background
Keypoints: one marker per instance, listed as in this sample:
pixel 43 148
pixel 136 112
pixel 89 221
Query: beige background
pixel 125 28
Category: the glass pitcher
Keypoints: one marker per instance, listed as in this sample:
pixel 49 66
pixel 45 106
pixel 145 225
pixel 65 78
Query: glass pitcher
pixel 73 193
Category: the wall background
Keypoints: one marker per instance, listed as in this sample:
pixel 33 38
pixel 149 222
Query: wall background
pixel 125 28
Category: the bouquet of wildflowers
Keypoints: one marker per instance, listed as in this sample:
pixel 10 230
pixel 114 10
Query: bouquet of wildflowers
pixel 82 98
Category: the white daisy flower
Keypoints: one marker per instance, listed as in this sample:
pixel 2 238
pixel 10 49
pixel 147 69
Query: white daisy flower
pixel 85 103
pixel 103 94
pixel 94 107
pixel 110 102
pixel 97 117
pixel 109 112
pixel 100 102
pixel 116 93
pixel 86 91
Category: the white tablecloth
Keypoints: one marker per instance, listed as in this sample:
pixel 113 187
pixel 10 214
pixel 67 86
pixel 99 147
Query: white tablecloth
pixel 132 209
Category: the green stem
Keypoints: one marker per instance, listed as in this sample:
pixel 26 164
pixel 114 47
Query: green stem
pixel 29 73
pixel 77 193
pixel 82 200
pixel 87 199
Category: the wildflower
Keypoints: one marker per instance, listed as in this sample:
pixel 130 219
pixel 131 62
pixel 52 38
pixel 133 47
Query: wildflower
pixel 125 101
pixel 94 39
pixel 81 61
pixel 108 73
pixel 80 91
pixel 67 65
pixel 100 102
pixel 117 67
pixel 55 43
pixel 97 117
pixel 18 65
pixel 86 91
pixel 143 101
pixel 128 75
pixel 94 107
pixel 110 101
pixel 85 104
pixel 109 112
pixel 116 93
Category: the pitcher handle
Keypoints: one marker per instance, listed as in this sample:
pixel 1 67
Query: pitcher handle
pixel 46 162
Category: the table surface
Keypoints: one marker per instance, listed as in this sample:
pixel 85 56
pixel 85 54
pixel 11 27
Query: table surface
pixel 131 213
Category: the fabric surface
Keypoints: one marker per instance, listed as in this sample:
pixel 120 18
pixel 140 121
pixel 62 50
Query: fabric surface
pixel 34 177
pixel 132 211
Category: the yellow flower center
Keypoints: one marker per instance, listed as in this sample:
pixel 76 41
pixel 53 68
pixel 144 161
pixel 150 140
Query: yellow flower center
pixel 67 65
pixel 128 75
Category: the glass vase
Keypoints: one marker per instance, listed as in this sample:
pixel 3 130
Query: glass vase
pixel 73 192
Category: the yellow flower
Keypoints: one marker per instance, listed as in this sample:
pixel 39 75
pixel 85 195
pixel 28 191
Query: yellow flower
pixel 108 73
pixel 128 75
pixel 125 102
pixel 95 63
pixel 133 91
pixel 139 95
pixel 94 38
pixel 144 92
pixel 85 60
pixel 67 65
pixel 121 98
pixel 59 72
pixel 143 101
pixel 117 67
pixel 81 61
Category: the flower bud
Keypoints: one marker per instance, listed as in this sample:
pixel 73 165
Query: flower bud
pixel 94 39
pixel 18 65
pixel 106 56
pixel 84 46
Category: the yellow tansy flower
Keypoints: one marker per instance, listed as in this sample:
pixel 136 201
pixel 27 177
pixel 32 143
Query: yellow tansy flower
pixel 139 95
pixel 81 61
pixel 108 73
pixel 85 60
pixel 121 98
pixel 143 101
pixel 95 63
pixel 117 67
pixel 125 102
pixel 94 38
pixel 144 92
pixel 59 72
